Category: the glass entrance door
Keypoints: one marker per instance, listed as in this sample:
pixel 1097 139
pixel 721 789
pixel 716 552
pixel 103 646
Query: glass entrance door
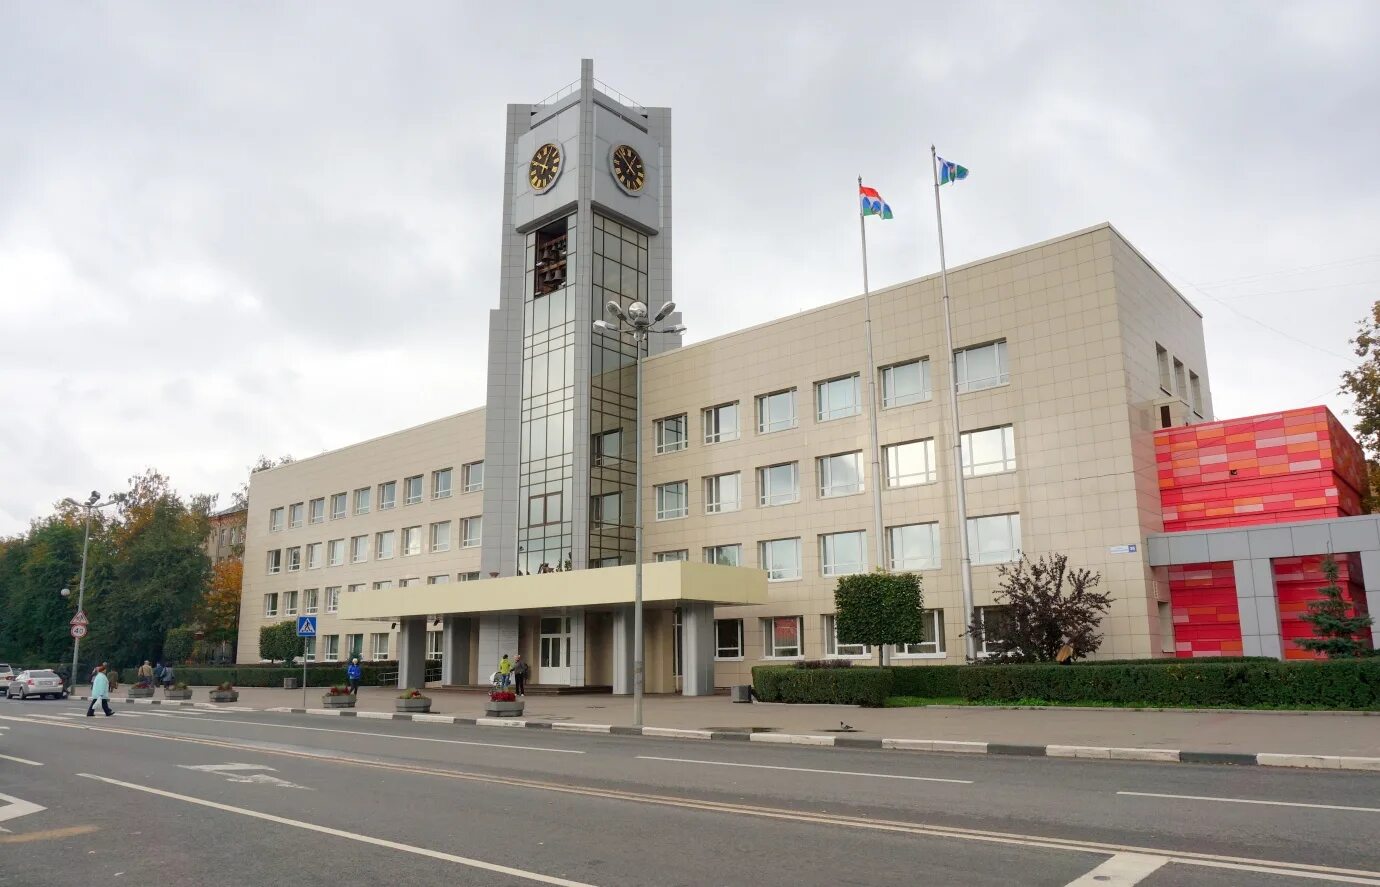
pixel 553 663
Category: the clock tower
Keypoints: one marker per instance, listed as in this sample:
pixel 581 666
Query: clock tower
pixel 586 220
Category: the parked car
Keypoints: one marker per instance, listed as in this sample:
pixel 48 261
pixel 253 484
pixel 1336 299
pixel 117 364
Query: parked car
pixel 6 674
pixel 39 682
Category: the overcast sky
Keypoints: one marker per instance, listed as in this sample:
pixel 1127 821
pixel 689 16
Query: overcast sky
pixel 234 229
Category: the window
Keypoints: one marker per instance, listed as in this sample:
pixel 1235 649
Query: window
pixel 906 383
pixel 914 546
pixel 1162 362
pixel 314 556
pixel 672 500
pixel 778 484
pixel 995 539
pixel 338 505
pixel 1195 390
pixel 544 509
pixel 442 579
pixel 607 447
pixel 275 520
pixel 723 492
pixel 671 434
pixel 983 366
pixel 776 411
pixel 472 475
pixel 842 554
pixel 289 603
pixel 412 490
pixel 309 649
pixel 781 637
pixel 607 509
pixel 613 560
pixel 388 495
pixel 990 618
pixel 355 588
pixel 383 544
pixel 379 646
pixel 840 475
pixel 383 585
pixel 275 561
pixel 663 557
pixel 310 598
pixel 472 530
pixel 332 599
pixel 728 555
pixel 359 549
pixel 832 647
pixel 316 511
pixel 271 604
pixel 837 398
pixel 409 582
pixel 330 648
pixel 909 464
pixel 335 552
pixel 1180 388
pixel 728 639
pixel 435 646
pixel 362 500
pixel 355 644
pixel 294 558
pixel 411 541
pixel 440 484
pixel 295 511
pixel 468 577
pixel 721 423
pixel 989 451
pixel 931 637
pixel 781 559
pixel 440 536
pixel 1166 617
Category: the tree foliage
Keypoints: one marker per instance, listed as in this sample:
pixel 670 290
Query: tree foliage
pixel 177 646
pixel 879 609
pixel 279 642
pixel 1363 384
pixel 1046 605
pixel 219 616
pixel 1338 629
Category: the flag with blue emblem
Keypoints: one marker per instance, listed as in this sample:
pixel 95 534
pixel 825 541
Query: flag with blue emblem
pixel 872 202
pixel 951 172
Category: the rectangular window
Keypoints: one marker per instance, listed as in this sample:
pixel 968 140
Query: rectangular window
pixel 906 383
pixel 1162 363
pixel 989 451
pixel 672 434
pixel 435 646
pixel 355 588
pixel 776 411
pixel 982 366
pixel 607 447
pixel 840 475
pixel 440 484
pixel 781 559
pixel 837 398
pixel 663 557
pixel 544 509
pixel 778 484
pixel 1180 387
pixel 294 558
pixel 314 556
pixel 672 500
pixel 289 603
pixel 727 555
pixel 275 520
pixel 310 599
pixel 914 547
pixel 330 651
pixel 472 530
pixel 721 423
pixel 723 493
pixel 411 541
pixel 607 509
pixel 379 647
pixel 911 463
pixel 467 577
pixel 473 477
pixel 316 511
pixel 412 490
pixel 388 495
pixel 1195 391
pixel 995 539
pixel 440 536
pixel 931 634
pixel 842 554
pixel 295 512
pixel 728 639
pixel 383 585
pixel 1166 617
pixel 309 649
pixel 354 643
pixel 335 552
pixel 409 582
pixel 271 604
pixel 275 561
pixel 383 544
pixel 362 500
pixel 781 637
pixel 332 599
pixel 989 620
pixel 832 647
pixel 359 549
pixel 441 579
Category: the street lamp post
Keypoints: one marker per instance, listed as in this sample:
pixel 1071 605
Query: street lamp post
pixel 637 322
pixel 90 505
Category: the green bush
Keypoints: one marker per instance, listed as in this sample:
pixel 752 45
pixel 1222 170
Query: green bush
pixel 1170 660
pixel 318 674
pixel 927 681
pixel 838 686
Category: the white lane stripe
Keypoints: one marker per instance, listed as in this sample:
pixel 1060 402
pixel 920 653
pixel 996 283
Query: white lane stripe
pixel 1122 870
pixel 21 760
pixel 1252 801
pixel 349 836
pixel 224 768
pixel 805 770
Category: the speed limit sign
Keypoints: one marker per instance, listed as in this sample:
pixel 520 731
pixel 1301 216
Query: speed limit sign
pixel 79 631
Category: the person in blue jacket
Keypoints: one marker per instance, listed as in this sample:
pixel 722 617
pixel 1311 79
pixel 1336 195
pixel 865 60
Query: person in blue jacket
pixel 100 689
pixel 352 675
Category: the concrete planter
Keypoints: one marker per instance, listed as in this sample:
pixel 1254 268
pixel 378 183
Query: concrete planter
pixel 421 705
pixel 503 709
pixel 135 693
pixel 225 696
pixel 177 694
pixel 345 700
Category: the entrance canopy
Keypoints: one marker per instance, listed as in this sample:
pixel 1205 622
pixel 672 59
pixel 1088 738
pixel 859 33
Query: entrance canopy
pixel 669 583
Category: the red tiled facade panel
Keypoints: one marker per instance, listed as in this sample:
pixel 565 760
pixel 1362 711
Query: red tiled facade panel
pixel 1298 581
pixel 1206 620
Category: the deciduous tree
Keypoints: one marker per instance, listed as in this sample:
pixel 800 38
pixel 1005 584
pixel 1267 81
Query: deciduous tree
pixel 1047 605
pixel 879 608
pixel 279 642
pixel 1363 384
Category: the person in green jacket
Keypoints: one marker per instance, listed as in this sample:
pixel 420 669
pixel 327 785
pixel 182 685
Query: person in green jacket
pixel 100 689
pixel 505 671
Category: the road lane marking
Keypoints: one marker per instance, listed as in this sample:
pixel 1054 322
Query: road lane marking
pixel 225 768
pixel 349 836
pixel 1252 801
pixel 16 808
pixel 237 773
pixel 21 760
pixel 1122 870
pixel 805 770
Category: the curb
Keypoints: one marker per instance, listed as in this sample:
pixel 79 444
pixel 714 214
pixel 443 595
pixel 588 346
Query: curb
pixel 1067 752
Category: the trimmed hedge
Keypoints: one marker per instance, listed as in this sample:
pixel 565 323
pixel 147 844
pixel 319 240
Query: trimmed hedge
pixel 1172 660
pixel 926 681
pixel 318 674
pixel 838 686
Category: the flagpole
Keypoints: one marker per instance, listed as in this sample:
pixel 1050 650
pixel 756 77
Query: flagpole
pixel 877 529
pixel 969 646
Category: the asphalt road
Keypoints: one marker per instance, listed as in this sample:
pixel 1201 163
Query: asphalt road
pixel 184 797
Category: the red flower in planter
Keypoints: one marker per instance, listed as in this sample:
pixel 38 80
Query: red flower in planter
pixel 502 696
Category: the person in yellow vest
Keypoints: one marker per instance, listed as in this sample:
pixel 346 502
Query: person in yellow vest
pixel 505 671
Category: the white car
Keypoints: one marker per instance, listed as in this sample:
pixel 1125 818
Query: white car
pixel 6 674
pixel 39 682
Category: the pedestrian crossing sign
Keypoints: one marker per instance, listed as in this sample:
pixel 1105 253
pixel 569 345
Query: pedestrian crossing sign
pixel 306 626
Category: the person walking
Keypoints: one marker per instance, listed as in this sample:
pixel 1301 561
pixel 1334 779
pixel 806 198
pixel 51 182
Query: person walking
pixel 505 671
pixel 100 689
pixel 352 676
pixel 146 673
pixel 168 675
pixel 158 673
pixel 520 671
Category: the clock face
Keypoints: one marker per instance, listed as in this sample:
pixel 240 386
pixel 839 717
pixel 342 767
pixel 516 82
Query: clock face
pixel 545 167
pixel 628 169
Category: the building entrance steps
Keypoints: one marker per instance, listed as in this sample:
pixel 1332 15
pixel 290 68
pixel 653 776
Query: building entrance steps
pixel 535 689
